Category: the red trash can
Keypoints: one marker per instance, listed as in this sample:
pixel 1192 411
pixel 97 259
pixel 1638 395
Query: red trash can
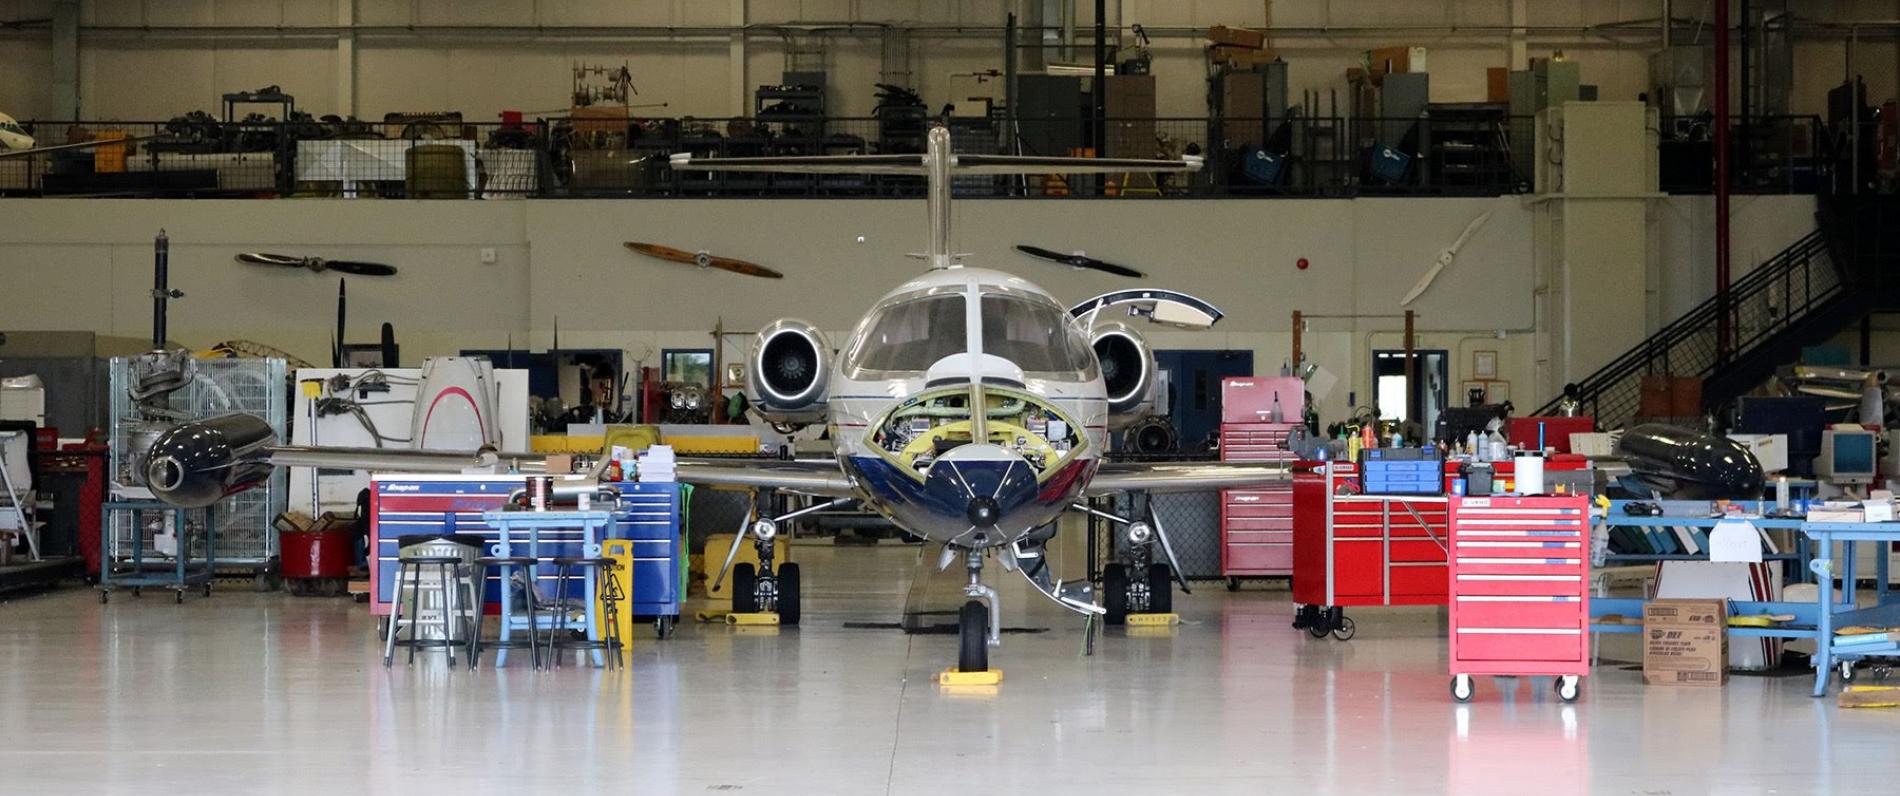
pixel 315 562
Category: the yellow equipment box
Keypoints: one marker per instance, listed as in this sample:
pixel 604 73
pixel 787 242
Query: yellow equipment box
pixel 621 551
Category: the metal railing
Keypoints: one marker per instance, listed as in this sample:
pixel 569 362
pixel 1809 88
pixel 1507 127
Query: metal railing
pixel 1458 152
pixel 1766 301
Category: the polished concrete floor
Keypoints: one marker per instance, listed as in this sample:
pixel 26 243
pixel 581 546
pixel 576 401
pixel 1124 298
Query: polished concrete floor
pixel 252 693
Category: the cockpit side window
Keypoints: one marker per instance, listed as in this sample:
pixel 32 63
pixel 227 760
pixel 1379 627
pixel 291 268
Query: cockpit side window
pixel 1038 336
pixel 911 334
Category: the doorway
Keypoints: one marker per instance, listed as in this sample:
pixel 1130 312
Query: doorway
pixel 1394 397
pixel 1188 391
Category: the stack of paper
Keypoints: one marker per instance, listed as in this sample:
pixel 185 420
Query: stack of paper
pixel 657 464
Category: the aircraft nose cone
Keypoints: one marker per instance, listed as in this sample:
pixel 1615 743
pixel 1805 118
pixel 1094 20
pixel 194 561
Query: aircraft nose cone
pixel 982 512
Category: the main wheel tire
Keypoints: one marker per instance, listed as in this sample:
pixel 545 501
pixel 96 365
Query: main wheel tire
pixel 973 636
pixel 1115 594
pixel 1160 589
pixel 745 598
pixel 788 594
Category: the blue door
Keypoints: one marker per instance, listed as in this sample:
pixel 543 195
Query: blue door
pixel 1192 379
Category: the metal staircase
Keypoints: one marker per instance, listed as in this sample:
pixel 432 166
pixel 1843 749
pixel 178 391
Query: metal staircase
pixel 1799 297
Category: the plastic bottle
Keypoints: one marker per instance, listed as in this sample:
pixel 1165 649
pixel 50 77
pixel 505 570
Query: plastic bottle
pixel 1471 446
pixel 1273 414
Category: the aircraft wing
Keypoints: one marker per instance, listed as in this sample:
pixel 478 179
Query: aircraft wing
pixel 821 478
pixel 1183 476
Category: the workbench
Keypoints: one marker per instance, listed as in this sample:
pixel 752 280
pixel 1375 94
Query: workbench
pixel 1883 613
pixel 1813 620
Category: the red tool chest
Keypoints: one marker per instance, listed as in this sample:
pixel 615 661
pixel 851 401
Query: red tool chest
pixel 1257 414
pixel 1356 550
pixel 1520 600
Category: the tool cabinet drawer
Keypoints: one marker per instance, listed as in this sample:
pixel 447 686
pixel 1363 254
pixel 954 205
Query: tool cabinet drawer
pixel 1551 613
pixel 1527 644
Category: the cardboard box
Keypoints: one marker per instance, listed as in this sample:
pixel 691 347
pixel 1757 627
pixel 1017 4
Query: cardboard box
pixel 1240 56
pixel 1685 642
pixel 560 463
pixel 1237 37
pixel 1395 59
pixel 1771 450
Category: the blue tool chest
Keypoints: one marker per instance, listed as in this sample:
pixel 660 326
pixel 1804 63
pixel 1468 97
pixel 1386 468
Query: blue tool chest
pixel 1402 471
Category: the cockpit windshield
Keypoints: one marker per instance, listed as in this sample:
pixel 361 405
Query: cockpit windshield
pixel 910 333
pixel 1035 334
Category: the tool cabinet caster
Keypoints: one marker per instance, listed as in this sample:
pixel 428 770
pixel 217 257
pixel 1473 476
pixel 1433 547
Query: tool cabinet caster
pixel 1568 687
pixel 105 597
pixel 1345 629
pixel 1233 584
pixel 1461 687
pixel 1847 671
pixel 178 596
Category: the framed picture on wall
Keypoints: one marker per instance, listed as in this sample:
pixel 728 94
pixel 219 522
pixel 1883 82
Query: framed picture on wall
pixel 1484 365
pixel 1497 392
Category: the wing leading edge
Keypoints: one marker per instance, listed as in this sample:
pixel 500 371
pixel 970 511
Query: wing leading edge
pixel 821 478
pixel 1115 477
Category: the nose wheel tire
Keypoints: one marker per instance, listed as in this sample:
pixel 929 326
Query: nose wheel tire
pixel 788 594
pixel 745 597
pixel 973 628
pixel 1160 589
pixel 1115 594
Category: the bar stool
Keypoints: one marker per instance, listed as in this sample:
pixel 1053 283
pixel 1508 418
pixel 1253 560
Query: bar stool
pixel 505 640
pixel 608 643
pixel 446 595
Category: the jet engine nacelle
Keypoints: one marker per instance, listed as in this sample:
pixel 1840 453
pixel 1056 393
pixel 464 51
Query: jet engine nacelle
pixel 790 370
pixel 197 464
pixel 1128 372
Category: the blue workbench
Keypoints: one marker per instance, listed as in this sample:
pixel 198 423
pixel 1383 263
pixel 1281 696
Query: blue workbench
pixel 1847 611
pixel 545 536
pixel 1815 620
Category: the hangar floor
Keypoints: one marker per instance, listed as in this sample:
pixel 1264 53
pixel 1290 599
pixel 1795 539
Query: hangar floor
pixel 250 693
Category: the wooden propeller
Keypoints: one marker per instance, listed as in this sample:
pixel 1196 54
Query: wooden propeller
pixel 703 260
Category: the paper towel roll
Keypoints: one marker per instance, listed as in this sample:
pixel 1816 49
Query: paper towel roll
pixel 1529 474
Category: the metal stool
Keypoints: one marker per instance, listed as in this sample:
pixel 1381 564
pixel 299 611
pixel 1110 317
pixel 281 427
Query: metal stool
pixel 505 639
pixel 610 597
pixel 447 590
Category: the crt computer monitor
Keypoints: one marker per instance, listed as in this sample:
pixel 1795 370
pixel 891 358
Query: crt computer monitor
pixel 1847 457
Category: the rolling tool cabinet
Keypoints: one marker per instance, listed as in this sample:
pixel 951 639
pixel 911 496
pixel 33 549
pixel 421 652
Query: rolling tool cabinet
pixel 1520 598
pixel 649 514
pixel 1351 549
pixel 1256 525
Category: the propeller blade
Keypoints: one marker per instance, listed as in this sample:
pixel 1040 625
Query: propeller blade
pixel 391 353
pixel 745 525
pixel 336 350
pixel 1081 261
pixel 742 267
pixel 360 268
pixel 1444 259
pixel 1424 282
pixel 703 260
pixel 263 258
pixel 667 253
pixel 1470 229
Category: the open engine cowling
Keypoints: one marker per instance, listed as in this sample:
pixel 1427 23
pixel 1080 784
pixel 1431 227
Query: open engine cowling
pixel 1128 371
pixel 790 371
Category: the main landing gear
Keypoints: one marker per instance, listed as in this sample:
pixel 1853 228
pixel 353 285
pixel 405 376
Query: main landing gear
pixel 765 588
